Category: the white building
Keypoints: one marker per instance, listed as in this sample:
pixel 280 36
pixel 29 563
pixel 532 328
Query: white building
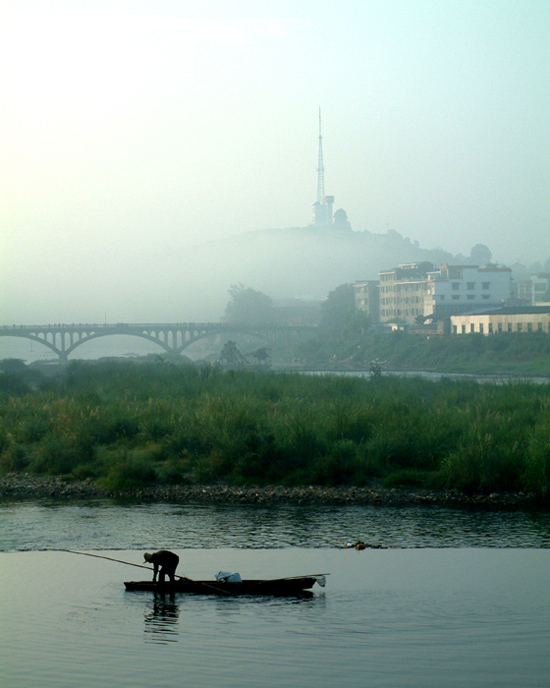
pixel 540 285
pixel 503 320
pixel 460 288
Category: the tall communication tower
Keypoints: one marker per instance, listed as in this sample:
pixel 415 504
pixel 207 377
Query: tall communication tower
pixel 322 208
pixel 320 168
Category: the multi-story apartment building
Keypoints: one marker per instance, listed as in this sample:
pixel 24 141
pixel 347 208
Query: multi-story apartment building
pixel 416 291
pixel 540 285
pixel 460 288
pixel 403 291
pixel 367 298
pixel 522 291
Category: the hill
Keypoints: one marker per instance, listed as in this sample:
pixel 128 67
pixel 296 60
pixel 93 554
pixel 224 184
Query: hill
pixel 299 262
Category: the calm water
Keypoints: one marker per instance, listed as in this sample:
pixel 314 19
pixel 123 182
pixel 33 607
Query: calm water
pixel 459 598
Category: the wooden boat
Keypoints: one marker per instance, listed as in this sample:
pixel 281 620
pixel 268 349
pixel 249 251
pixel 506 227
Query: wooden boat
pixel 276 587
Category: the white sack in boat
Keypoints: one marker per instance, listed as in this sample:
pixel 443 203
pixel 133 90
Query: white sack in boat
pixel 228 577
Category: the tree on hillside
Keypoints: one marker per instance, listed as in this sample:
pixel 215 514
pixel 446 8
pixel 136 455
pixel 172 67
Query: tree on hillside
pixel 339 314
pixel 247 306
pixel 481 254
pixel 341 219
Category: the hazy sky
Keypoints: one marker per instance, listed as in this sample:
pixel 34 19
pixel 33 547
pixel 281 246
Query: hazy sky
pixel 134 129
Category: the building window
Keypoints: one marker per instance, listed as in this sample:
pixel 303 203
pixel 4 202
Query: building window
pixel 455 286
pixel 500 327
pixel 471 297
pixel 481 328
pixel 472 328
pixel 455 329
pixel 485 285
pixel 529 327
pixel 509 327
pixel 455 297
pixel 471 285
pixel 520 327
pixel 463 329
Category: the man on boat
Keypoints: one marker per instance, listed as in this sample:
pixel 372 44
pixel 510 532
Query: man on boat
pixel 165 560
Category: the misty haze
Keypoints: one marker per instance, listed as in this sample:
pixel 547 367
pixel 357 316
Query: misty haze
pixel 153 157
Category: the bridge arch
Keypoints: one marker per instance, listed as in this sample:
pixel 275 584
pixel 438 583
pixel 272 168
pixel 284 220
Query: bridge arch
pixel 173 338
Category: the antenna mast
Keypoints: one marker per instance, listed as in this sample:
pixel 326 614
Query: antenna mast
pixel 320 167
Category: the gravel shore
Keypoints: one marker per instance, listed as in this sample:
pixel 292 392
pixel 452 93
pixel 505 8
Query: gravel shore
pixel 26 486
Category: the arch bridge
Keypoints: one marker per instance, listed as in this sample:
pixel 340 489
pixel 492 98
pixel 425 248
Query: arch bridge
pixel 174 338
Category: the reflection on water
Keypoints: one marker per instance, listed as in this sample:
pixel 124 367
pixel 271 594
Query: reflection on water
pixel 162 611
pixel 162 619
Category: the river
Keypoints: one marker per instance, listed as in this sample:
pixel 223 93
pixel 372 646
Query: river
pixel 445 597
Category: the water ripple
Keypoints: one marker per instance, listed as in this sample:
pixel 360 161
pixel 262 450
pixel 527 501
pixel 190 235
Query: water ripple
pixel 104 525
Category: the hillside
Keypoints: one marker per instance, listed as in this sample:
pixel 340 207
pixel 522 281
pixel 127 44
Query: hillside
pixel 295 262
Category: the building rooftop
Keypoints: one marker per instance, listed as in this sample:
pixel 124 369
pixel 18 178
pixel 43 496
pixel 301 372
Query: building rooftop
pixel 511 310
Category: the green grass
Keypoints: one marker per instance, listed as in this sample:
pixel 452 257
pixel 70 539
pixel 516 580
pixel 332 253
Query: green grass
pixel 126 425
pixel 513 354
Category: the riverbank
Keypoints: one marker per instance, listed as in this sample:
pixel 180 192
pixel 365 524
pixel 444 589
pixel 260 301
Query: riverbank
pixel 126 428
pixel 26 486
pixel 517 355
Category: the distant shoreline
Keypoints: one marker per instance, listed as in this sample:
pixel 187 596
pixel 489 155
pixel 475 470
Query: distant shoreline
pixel 26 486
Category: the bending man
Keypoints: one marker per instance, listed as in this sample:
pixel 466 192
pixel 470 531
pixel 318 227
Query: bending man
pixel 166 561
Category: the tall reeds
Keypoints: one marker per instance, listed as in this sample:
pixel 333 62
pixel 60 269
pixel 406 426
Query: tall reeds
pixel 126 425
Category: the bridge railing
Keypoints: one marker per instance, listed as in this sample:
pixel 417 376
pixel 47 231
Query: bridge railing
pixel 111 326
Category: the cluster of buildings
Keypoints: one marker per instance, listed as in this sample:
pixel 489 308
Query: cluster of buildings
pixel 458 299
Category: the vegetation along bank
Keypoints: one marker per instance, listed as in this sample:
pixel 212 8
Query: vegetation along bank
pixel 160 429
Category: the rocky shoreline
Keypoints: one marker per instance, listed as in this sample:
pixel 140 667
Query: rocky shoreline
pixel 26 486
